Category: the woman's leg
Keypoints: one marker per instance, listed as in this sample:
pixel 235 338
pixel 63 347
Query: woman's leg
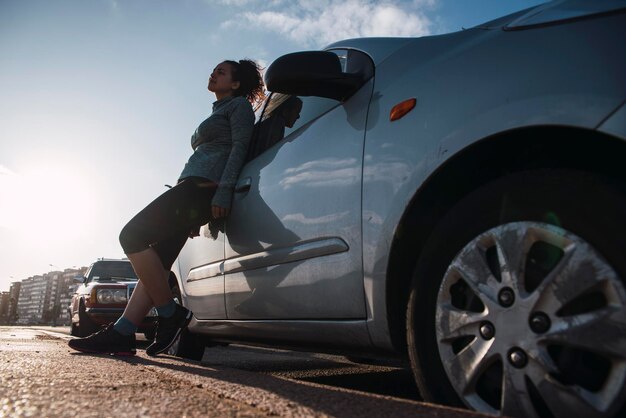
pixel 153 238
pixel 140 301
pixel 149 267
pixel 152 276
pixel 152 241
pixel 138 306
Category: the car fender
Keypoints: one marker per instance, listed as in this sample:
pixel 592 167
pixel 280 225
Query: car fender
pixel 469 86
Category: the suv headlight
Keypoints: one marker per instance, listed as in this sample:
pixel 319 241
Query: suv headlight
pixel 111 296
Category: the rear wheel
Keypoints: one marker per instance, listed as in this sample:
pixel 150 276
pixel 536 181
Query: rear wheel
pixel 187 345
pixel 518 302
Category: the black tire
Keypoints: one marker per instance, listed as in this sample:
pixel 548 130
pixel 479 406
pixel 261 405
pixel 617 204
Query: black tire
pixel 85 326
pixel 74 330
pixel 584 204
pixel 188 345
pixel 150 335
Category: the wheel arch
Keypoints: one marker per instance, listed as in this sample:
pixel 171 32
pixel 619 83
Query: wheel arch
pixel 487 159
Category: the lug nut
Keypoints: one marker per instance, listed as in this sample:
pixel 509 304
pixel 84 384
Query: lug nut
pixel 518 358
pixel 487 330
pixel 506 297
pixel 539 322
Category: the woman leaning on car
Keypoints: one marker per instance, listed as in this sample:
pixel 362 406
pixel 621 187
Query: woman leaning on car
pixel 155 236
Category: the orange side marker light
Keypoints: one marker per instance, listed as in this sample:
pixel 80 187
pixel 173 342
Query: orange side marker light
pixel 401 109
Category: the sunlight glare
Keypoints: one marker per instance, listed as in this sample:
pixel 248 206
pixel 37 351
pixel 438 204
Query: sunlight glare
pixel 49 201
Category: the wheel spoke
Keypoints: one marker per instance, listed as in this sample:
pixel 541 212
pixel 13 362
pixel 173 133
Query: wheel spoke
pixel 472 266
pixel 456 323
pixel 601 331
pixel 544 294
pixel 564 400
pixel 542 361
pixel 575 274
pixel 467 366
pixel 515 399
pixel 512 246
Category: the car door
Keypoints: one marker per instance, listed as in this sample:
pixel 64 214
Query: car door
pixel 200 268
pixel 293 238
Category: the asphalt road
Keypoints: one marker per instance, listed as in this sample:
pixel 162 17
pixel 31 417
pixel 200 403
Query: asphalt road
pixel 41 376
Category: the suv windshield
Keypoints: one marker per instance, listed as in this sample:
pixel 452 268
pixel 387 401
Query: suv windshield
pixel 111 270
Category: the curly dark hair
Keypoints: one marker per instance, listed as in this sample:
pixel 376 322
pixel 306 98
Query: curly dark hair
pixel 248 73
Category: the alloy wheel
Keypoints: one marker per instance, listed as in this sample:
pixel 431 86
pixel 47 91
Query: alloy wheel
pixel 531 321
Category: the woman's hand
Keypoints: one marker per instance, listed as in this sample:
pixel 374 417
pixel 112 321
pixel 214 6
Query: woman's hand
pixel 219 212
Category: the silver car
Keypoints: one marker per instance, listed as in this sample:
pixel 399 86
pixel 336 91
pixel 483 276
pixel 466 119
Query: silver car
pixel 456 199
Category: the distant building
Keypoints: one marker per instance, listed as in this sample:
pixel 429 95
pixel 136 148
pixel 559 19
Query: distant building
pixel 14 294
pixel 66 286
pixel 30 305
pixel 44 299
pixel 4 308
pixel 51 307
pixel 30 301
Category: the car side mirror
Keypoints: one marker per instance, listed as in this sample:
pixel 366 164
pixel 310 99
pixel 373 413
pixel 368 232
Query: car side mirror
pixel 79 279
pixel 311 73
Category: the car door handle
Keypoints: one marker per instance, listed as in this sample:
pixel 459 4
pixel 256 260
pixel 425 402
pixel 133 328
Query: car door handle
pixel 243 185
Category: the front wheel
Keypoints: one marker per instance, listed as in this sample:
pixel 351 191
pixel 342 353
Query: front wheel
pixel 518 300
pixel 86 326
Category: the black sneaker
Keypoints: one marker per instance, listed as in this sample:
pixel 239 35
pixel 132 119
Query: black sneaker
pixel 168 329
pixel 106 341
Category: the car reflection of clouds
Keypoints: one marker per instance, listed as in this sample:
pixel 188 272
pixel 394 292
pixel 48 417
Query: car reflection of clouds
pixel 394 173
pixel 326 163
pixel 326 172
pixel 299 217
pixel 343 172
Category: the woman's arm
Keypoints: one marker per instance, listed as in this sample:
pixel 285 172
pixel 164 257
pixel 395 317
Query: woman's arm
pixel 241 126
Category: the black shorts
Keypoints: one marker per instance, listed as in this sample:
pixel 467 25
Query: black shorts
pixel 165 224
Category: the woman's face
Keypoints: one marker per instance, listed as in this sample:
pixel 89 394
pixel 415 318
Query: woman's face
pixel 221 81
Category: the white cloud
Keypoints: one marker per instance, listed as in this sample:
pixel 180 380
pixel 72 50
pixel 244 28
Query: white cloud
pixel 6 171
pixel 301 218
pixel 320 22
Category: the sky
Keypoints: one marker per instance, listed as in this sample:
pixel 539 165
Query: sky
pixel 99 98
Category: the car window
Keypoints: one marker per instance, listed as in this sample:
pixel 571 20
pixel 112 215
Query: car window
pixel 111 270
pixel 281 114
